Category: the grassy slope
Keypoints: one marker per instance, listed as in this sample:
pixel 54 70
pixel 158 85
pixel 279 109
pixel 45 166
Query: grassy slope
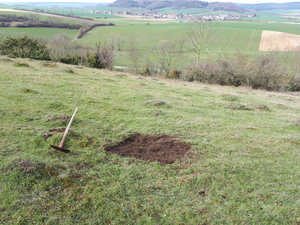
pixel 42 17
pixel 245 161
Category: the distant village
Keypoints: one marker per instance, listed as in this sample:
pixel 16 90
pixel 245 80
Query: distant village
pixel 187 16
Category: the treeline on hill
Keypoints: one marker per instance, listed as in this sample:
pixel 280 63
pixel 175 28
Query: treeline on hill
pixel 269 6
pixel 158 4
pixel 59 49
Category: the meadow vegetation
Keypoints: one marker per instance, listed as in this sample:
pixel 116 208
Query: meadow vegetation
pixel 242 168
pixel 233 106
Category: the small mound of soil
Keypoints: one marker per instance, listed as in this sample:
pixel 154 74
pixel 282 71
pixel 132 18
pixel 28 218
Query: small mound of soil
pixel 156 102
pixel 164 149
pixel 49 64
pixel 49 133
pixel 62 117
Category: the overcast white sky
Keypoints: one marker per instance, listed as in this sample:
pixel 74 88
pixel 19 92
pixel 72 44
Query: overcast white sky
pixel 109 1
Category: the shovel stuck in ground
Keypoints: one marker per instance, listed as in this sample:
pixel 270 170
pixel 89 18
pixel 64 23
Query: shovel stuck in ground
pixel 60 147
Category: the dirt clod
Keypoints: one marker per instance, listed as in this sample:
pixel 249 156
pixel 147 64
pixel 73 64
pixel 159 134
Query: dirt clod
pixel 163 148
pixel 27 166
pixel 202 193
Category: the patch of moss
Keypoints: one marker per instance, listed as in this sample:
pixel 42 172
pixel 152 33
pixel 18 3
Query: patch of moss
pixel 21 64
pixel 27 90
pixel 55 105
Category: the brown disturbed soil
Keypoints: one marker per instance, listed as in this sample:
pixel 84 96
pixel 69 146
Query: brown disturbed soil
pixel 163 148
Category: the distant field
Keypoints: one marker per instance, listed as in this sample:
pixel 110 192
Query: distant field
pixel 147 32
pixel 46 32
pixel 230 35
pixel 281 11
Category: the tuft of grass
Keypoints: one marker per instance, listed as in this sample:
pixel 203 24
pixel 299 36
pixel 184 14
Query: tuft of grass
pixel 231 98
pixel 55 105
pixel 261 107
pixel 49 64
pixel 237 107
pixel 7 60
pixel 68 70
pixel 11 56
pixel 27 90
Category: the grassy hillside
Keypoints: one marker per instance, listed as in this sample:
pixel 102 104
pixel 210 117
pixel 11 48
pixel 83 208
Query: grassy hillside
pixel 44 16
pixel 243 167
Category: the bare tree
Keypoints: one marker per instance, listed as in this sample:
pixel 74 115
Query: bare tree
pixel 34 17
pixel 181 43
pixel 134 55
pixel 119 41
pixel 166 56
pixel 61 46
pixel 105 53
pixel 199 34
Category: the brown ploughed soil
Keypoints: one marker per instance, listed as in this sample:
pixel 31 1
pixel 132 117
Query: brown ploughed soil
pixel 163 148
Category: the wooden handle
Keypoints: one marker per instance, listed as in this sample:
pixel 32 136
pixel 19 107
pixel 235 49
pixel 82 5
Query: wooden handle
pixel 67 130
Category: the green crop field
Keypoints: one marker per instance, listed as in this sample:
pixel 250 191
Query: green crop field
pixel 243 166
pixel 230 36
pixel 45 32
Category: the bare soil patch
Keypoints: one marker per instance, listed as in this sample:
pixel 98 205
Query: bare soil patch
pixel 162 148
pixel 279 41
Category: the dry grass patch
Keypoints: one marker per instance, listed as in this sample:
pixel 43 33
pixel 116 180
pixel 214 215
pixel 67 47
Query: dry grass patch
pixel 279 41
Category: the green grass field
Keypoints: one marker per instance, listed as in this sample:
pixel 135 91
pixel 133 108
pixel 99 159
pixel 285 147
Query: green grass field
pixel 243 167
pixel 44 32
pixel 231 36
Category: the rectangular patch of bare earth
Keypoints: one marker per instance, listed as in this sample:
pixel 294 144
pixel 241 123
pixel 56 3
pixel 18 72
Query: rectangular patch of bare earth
pixel 161 148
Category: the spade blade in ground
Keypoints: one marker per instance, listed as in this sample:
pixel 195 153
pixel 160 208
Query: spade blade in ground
pixel 60 149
